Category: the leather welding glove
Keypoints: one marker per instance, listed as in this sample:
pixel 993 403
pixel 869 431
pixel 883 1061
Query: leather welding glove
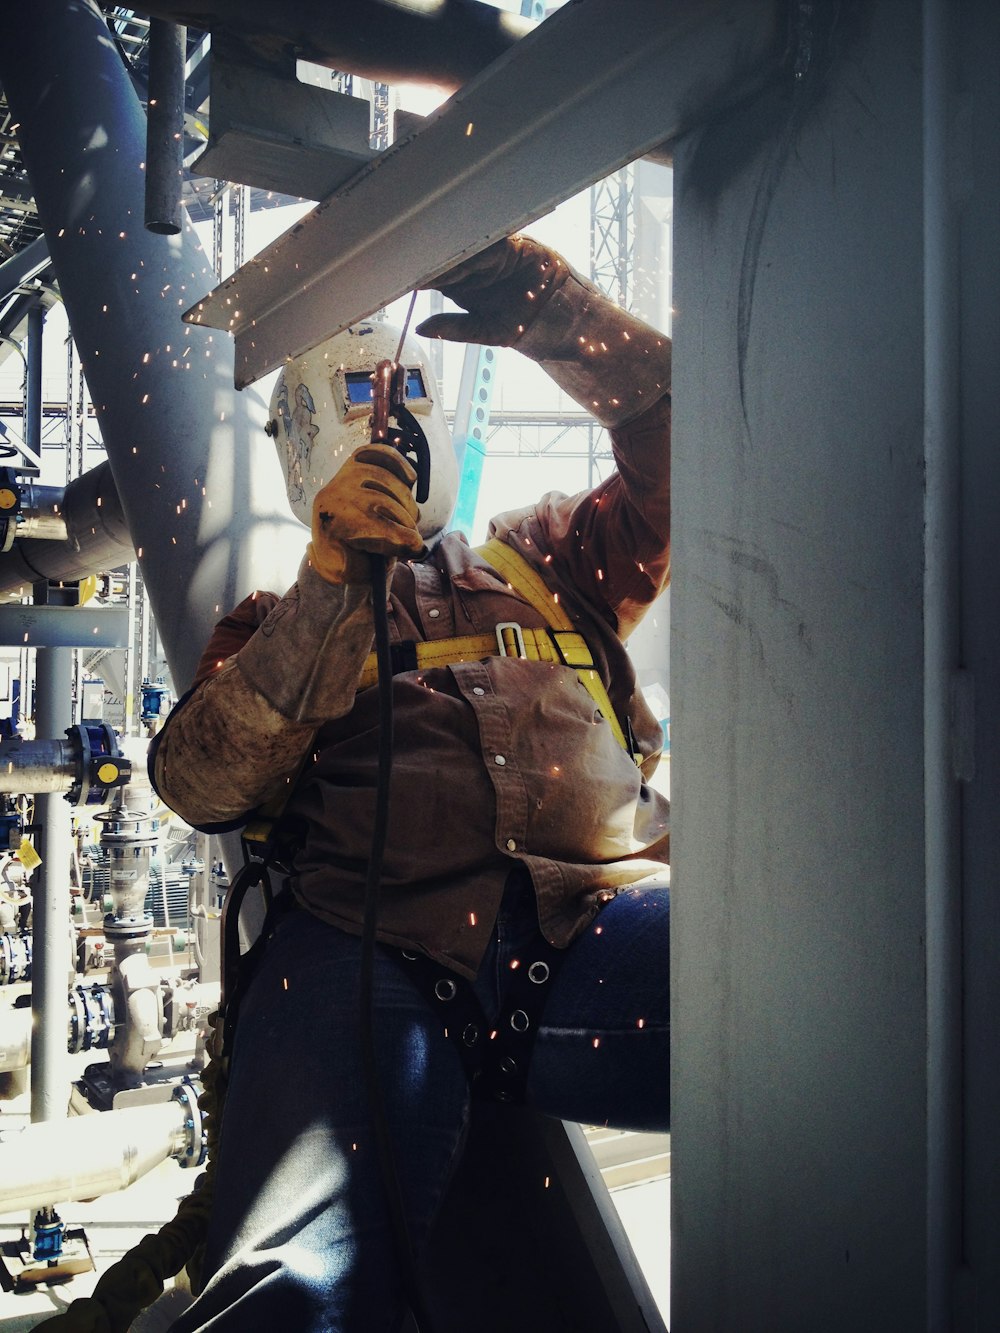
pixel 503 288
pixel 520 294
pixel 366 508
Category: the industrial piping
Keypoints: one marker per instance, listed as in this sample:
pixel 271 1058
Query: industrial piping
pixel 91 1155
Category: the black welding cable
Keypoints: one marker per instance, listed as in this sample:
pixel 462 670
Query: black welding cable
pixel 380 1123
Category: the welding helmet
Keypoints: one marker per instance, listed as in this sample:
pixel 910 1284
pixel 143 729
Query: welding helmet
pixel 321 411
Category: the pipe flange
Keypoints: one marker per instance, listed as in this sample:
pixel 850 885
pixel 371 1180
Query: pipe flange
pixel 91 1019
pixel 194 1150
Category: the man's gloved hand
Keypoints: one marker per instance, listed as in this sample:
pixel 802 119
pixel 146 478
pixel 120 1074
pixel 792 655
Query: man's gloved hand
pixel 503 288
pixel 367 506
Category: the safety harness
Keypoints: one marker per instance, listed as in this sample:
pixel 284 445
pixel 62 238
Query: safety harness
pixel 557 641
pixel 495 1056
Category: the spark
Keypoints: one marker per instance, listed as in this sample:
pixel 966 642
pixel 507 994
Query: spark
pixel 597 1042
pixel 547 1182
pixel 284 982
pixel 468 129
pixel 640 1022
pixel 472 918
pixel 515 963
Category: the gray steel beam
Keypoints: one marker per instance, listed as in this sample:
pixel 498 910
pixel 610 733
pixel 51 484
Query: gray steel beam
pixel 594 86
pixel 63 627
pixel 199 481
pixel 445 44
pixel 23 267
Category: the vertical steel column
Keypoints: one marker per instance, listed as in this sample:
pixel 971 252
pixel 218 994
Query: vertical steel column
pixel 51 902
pixel 948 748
pixel 33 381
pixel 51 906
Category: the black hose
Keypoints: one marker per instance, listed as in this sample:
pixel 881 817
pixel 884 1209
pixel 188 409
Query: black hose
pixel 380 1123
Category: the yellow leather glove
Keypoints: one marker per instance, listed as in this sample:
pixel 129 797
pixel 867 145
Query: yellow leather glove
pixel 503 288
pixel 366 507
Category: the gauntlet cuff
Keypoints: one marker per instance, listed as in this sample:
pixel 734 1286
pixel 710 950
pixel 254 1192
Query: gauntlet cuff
pixel 306 658
pixel 606 359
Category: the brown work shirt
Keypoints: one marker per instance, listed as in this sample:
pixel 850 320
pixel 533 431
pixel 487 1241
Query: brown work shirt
pixel 504 760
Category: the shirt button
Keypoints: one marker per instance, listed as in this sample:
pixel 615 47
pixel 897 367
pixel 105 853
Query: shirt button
pixel 511 845
pixel 499 759
pixel 478 689
pixel 433 613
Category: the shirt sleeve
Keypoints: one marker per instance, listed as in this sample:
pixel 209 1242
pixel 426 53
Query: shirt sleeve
pixel 275 669
pixel 610 545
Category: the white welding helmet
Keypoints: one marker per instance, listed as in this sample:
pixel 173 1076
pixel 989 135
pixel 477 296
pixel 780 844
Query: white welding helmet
pixel 321 411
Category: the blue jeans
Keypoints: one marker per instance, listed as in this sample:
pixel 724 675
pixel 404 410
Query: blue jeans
pixel 299 1236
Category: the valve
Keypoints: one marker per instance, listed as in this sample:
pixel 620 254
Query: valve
pixel 153 696
pixel 48 1230
pixel 101 766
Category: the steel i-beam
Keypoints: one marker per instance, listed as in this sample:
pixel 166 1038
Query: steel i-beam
pixel 593 87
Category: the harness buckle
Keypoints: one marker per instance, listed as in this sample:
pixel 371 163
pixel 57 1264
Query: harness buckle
pixel 518 638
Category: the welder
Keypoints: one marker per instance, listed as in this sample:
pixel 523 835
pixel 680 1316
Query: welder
pixel 522 946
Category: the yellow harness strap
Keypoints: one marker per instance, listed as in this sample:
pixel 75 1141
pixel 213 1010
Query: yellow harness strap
pixel 559 643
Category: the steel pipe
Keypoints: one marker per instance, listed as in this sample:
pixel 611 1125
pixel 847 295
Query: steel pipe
pixel 41 513
pixel 89 1155
pixel 97 538
pixel 38 766
pixel 165 127
pixel 15 1040
pixel 50 1076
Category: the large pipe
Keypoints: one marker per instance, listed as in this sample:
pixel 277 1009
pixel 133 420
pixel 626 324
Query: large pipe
pixel 442 44
pixel 97 538
pixel 199 482
pixel 89 1155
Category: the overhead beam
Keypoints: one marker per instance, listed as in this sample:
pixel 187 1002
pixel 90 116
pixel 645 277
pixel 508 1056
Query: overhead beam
pixel 443 44
pixel 594 86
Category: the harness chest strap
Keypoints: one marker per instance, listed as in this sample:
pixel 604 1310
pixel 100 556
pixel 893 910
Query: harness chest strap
pixel 560 642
